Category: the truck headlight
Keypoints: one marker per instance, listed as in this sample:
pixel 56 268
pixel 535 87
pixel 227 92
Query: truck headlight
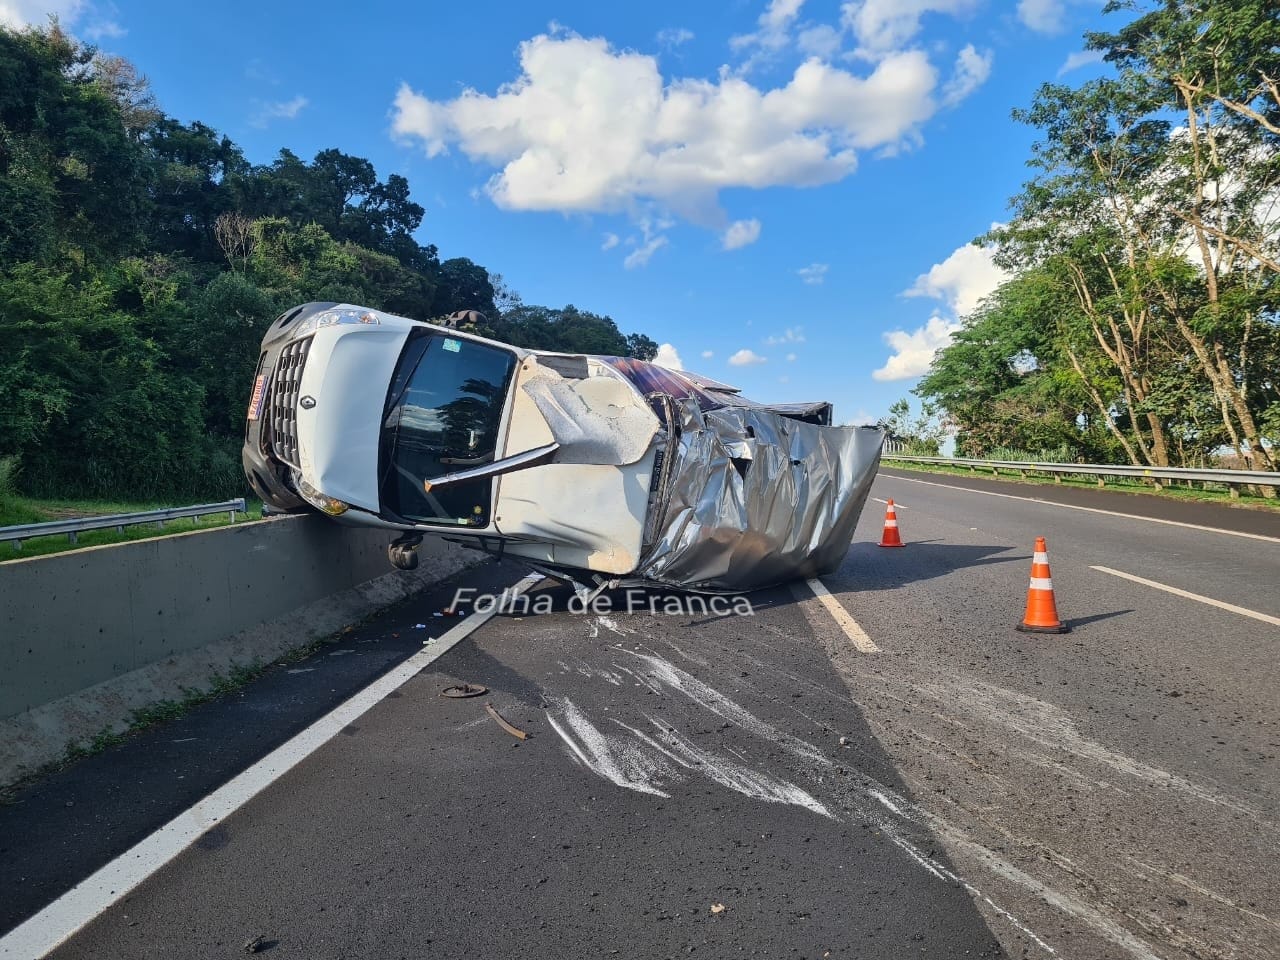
pixel 325 504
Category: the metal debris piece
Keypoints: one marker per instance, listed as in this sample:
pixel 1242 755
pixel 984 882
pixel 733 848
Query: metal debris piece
pixel 518 734
pixel 255 944
pixel 461 690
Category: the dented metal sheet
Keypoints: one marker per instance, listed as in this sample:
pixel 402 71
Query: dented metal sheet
pixel 755 499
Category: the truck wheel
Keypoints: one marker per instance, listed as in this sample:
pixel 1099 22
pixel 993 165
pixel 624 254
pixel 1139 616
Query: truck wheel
pixel 403 557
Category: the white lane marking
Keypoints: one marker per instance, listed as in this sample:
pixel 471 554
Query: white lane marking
pixel 852 629
pixel 56 923
pixel 1109 513
pixel 1221 605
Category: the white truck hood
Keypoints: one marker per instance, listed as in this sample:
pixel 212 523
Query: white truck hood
pixel 348 372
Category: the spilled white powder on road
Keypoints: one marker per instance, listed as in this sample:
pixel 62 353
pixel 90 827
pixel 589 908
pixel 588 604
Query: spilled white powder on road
pixel 647 764
pixel 616 760
pixel 711 699
pixel 735 776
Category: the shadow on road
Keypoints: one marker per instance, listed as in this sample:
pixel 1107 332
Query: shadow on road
pixel 869 567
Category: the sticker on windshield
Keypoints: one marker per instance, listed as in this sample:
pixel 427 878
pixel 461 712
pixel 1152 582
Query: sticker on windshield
pixel 453 346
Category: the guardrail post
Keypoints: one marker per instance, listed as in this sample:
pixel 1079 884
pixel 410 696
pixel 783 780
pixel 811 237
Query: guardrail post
pixel 1102 481
pixel 1057 478
pixel 1234 489
pixel 72 538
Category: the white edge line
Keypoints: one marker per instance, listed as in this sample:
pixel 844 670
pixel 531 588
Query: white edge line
pixel 1072 506
pixel 852 629
pixel 75 909
pixel 1221 605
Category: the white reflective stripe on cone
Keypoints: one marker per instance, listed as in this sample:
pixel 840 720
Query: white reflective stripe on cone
pixel 891 523
pixel 1040 557
pixel 1041 583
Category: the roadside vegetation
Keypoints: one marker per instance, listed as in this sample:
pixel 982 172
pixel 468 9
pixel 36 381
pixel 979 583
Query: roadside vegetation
pixel 141 259
pixel 1139 320
pixel 1204 493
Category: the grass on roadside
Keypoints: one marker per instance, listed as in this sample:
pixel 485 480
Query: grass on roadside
pixel 1117 484
pixel 19 510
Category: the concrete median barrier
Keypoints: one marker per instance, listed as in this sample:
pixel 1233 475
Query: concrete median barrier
pixel 89 635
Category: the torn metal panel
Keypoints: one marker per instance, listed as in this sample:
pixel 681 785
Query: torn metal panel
pixel 755 498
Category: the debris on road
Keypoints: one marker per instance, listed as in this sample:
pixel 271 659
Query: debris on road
pixel 255 944
pixel 514 731
pixel 718 908
pixel 460 690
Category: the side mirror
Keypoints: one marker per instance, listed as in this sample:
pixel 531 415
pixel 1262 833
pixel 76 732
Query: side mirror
pixel 518 461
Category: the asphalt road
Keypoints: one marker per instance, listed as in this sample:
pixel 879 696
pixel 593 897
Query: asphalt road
pixel 746 785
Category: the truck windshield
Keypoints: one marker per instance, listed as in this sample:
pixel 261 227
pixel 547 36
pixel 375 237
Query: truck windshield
pixel 442 415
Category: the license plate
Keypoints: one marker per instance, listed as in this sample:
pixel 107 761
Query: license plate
pixel 259 393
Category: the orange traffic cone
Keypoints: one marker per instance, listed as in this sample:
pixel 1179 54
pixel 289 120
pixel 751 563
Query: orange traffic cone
pixel 890 537
pixel 1042 610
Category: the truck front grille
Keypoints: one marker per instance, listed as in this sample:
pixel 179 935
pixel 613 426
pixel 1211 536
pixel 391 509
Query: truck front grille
pixel 285 385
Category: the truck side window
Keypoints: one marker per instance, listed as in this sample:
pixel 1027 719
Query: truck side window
pixel 443 412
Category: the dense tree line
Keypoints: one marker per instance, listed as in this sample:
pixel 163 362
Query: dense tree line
pixel 1140 324
pixel 141 260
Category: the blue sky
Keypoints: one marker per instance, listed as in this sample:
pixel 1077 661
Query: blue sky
pixel 782 191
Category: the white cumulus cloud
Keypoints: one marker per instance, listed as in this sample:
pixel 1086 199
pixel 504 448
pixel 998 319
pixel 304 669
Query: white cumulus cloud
pixel 961 280
pixel 820 40
pixel 773 27
pixel 883 26
pixel 790 335
pixel 278 110
pixel 971 71
pixel 746 358
pixel 639 257
pixel 708 354
pixel 668 357
pixel 1081 58
pixel 17 14
pixel 913 352
pixel 814 273
pixel 1049 16
pixel 740 233
pixel 587 128
pixel 100 30
pixel 610 241
pixel 674 36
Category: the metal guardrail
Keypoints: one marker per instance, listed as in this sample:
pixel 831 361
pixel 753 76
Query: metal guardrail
pixel 25 531
pixel 1232 479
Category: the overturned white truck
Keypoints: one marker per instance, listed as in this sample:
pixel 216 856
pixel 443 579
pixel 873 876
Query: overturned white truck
pixel 602 471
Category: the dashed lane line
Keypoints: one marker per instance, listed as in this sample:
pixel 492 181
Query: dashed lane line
pixel 1073 506
pixel 76 908
pixel 1220 604
pixel 852 629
